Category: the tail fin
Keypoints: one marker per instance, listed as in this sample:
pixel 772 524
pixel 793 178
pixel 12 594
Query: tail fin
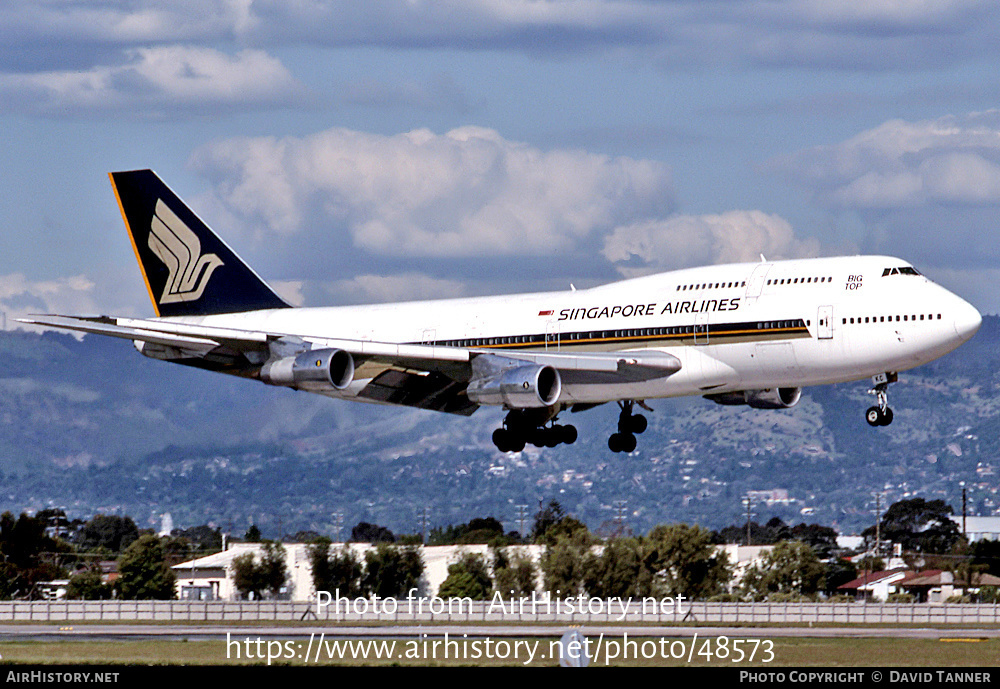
pixel 188 269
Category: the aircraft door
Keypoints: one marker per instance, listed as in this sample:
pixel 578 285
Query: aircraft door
pixel 552 334
pixel 824 323
pixel 756 283
pixel 701 328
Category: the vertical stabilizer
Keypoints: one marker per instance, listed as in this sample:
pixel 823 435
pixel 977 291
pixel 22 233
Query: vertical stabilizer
pixel 188 269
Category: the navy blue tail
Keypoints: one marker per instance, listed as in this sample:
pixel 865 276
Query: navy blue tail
pixel 189 270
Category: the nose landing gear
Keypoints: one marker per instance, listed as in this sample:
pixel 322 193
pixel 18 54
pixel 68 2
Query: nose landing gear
pixel 880 414
pixel 629 425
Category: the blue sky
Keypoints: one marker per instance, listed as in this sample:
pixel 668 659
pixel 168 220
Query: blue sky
pixel 385 150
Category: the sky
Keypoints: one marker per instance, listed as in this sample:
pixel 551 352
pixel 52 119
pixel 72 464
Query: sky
pixel 357 152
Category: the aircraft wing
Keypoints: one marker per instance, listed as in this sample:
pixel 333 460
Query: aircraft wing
pixel 417 375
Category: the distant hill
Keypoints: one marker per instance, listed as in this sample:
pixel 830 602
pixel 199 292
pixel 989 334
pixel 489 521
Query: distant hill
pixel 94 426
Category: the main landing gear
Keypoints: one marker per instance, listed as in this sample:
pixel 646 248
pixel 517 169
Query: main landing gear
pixel 880 414
pixel 629 425
pixel 520 428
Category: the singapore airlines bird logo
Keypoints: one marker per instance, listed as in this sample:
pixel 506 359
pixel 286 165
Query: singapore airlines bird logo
pixel 179 248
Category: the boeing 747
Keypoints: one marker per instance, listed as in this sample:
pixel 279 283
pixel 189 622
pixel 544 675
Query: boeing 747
pixel 748 333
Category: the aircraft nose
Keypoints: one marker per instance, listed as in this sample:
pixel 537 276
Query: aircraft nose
pixel 967 319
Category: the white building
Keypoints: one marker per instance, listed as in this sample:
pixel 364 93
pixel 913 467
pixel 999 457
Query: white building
pixel 211 577
pixel 979 528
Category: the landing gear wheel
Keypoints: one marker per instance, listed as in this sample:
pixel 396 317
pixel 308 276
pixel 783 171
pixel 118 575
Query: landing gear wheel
pixel 519 430
pixel 638 423
pixel 508 441
pixel 628 443
pixel 878 417
pixel 621 442
pixel 569 434
pixel 501 438
pixel 615 442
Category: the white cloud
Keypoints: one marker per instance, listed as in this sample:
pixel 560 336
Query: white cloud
pixel 468 192
pixel 687 240
pixel 157 78
pixel 20 297
pixel 289 290
pixel 899 164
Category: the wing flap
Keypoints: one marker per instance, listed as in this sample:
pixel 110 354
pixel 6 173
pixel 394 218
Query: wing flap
pixel 433 391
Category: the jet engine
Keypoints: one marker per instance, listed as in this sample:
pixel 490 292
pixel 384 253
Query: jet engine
pixel 317 369
pixel 771 398
pixel 521 387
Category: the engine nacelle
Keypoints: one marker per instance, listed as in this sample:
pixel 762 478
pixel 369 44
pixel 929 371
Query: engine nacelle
pixel 521 387
pixel 317 369
pixel 771 398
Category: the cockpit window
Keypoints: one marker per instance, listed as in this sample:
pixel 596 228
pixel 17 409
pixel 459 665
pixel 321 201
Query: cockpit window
pixel 905 270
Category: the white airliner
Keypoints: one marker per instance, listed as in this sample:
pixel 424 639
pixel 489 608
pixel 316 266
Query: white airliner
pixel 748 333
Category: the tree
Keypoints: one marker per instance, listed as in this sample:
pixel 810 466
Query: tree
pixel 274 571
pixel 618 572
pixel 478 530
pixel 564 564
pixel 514 572
pixel 467 578
pixel 838 571
pixel 567 528
pixel 253 578
pixel 202 538
pixel 338 571
pixel 246 577
pixel 87 585
pixel 822 539
pixel 919 524
pixel 108 531
pixel 364 532
pixel 545 518
pixel 143 572
pixel 790 568
pixel 684 561
pixel 252 535
pixel 986 556
pixel 391 571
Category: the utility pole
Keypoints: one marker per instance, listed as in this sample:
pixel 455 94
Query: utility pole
pixel 338 525
pixel 878 524
pixel 964 509
pixel 620 509
pixel 749 505
pixel 424 516
pixel 522 517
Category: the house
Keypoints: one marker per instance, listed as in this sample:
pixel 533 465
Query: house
pixel 877 585
pixel 937 586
